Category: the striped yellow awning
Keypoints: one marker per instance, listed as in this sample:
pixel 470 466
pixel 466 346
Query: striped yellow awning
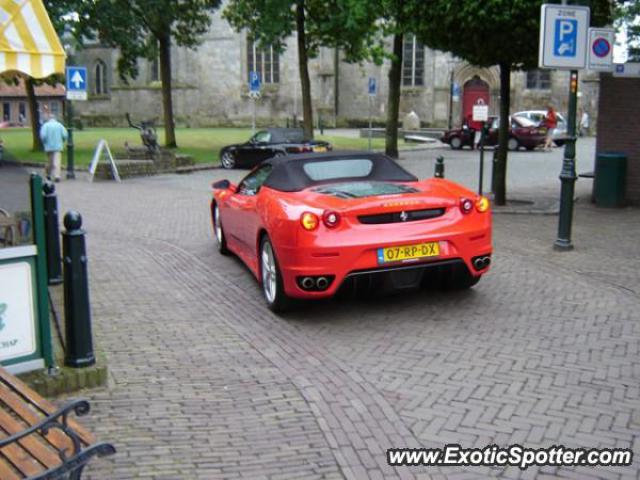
pixel 28 42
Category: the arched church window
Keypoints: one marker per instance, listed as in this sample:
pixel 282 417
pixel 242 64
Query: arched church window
pixel 100 78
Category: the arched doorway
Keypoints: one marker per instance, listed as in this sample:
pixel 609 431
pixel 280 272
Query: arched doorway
pixel 476 91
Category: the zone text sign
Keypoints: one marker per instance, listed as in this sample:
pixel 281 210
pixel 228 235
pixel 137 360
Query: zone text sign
pixel 563 36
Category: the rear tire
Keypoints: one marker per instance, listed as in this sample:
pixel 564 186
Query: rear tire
pixel 218 232
pixel 457 278
pixel 228 160
pixel 272 285
pixel 464 282
pixel 456 143
pixel 513 144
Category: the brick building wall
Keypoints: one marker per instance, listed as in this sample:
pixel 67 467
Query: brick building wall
pixel 619 126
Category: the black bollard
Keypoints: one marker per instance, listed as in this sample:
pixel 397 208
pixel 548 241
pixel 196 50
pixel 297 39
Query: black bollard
pixel 77 311
pixel 52 233
pixel 439 169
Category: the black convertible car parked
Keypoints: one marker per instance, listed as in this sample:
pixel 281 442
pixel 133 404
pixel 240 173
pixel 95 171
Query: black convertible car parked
pixel 272 142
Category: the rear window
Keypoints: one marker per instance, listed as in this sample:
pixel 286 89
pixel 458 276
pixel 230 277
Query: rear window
pixel 525 122
pixel 332 169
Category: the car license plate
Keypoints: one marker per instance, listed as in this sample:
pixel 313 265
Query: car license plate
pixel 408 252
pixel 319 149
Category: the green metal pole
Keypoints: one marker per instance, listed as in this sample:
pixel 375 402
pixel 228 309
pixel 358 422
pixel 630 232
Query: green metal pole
pixel 70 160
pixel 568 175
pixel 39 236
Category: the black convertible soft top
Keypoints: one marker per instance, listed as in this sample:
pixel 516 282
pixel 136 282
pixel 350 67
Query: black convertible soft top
pixel 289 173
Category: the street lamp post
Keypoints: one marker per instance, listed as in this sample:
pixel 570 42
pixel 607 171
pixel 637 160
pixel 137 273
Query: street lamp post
pixel 568 175
pixel 451 64
pixel 71 174
pixel 70 153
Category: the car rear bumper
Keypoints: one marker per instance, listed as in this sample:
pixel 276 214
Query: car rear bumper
pixel 349 263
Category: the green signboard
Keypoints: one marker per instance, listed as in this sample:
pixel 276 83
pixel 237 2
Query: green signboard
pixel 20 345
pixel 25 333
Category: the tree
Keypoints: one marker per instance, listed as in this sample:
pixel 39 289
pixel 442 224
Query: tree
pixel 58 11
pixel 146 29
pixel 345 24
pixel 493 32
pixel 627 16
pixel 397 19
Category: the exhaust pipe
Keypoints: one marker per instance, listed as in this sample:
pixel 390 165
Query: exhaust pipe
pixel 480 263
pixel 322 283
pixel 307 283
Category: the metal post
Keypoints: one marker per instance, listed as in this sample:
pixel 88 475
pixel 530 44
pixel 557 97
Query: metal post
pixel 71 174
pixel 439 168
pixel 77 311
pixel 481 175
pixel 52 230
pixel 370 121
pixel 494 161
pixel 253 118
pixel 450 99
pixel 568 175
pixel 37 220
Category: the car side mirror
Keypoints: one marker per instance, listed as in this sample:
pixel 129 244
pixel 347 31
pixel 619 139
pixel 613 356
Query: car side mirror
pixel 223 185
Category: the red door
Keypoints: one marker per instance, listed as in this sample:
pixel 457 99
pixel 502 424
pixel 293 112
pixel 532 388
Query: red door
pixel 476 91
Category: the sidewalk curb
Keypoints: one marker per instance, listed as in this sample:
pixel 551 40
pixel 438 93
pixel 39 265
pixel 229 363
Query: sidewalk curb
pixel 528 206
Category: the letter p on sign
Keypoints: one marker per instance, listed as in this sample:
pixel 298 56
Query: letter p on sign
pixel 566 37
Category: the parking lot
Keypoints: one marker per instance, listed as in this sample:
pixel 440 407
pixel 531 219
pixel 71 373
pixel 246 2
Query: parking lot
pixel 205 382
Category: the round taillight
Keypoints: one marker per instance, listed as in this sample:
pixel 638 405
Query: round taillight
pixel 466 205
pixel 331 219
pixel 309 221
pixel 482 204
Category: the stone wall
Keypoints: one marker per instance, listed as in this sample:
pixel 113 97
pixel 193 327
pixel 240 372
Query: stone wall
pixel 619 125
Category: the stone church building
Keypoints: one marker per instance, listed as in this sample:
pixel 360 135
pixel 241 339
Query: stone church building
pixel 210 85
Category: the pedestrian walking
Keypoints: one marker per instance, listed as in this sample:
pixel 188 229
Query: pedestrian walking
pixel 53 136
pixel 584 124
pixel 551 122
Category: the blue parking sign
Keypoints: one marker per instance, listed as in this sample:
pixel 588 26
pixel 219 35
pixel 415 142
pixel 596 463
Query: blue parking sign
pixel 254 82
pixel 566 37
pixel 563 36
pixel 373 87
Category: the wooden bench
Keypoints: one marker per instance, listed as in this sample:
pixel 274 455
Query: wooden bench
pixel 40 441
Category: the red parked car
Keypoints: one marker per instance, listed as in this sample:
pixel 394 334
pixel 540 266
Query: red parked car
pixel 306 225
pixel 522 133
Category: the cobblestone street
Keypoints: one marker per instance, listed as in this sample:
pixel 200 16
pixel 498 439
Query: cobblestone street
pixel 205 382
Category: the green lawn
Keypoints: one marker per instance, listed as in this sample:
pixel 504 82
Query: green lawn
pixel 203 144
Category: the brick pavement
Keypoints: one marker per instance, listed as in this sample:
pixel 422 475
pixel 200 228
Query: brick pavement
pixel 206 383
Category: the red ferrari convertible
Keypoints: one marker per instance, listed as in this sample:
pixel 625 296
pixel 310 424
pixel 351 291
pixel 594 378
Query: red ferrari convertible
pixel 308 225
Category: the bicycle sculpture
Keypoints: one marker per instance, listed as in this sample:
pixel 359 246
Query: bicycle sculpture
pixel 147 134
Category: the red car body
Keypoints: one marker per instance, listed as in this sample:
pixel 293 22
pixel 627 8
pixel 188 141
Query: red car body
pixel 522 133
pixel 355 219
